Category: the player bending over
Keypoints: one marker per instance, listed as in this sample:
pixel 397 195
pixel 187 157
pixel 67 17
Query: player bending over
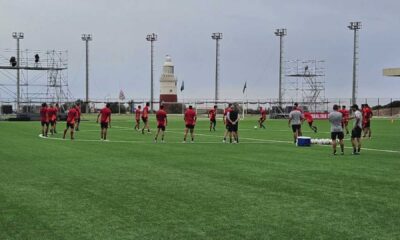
pixel 145 118
pixel 44 119
pixel 212 115
pixel 263 113
pixel 335 119
pixel 162 122
pixel 72 113
pixel 137 117
pixel 310 121
pixel 296 118
pixel 190 122
pixel 105 121
pixel 356 132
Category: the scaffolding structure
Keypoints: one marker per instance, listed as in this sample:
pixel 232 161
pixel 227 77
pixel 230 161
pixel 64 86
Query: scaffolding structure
pixel 43 77
pixel 305 83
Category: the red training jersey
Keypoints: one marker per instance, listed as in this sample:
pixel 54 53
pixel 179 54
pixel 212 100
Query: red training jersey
pixel 105 115
pixel 212 114
pixel 263 113
pixel 78 112
pixel 72 113
pixel 345 113
pixel 44 114
pixel 367 114
pixel 308 117
pixel 145 112
pixel 52 112
pixel 161 116
pixel 137 113
pixel 190 117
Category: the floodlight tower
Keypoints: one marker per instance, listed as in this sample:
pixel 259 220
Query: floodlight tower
pixel 280 33
pixel 151 38
pixel 87 38
pixel 355 26
pixel 18 36
pixel 216 36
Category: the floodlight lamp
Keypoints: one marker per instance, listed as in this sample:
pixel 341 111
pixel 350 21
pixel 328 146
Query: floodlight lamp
pixel 14 34
pixel 21 35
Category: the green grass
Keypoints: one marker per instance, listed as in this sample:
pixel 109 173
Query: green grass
pixel 130 188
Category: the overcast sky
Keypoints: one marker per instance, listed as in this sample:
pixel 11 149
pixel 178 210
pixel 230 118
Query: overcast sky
pixel 120 54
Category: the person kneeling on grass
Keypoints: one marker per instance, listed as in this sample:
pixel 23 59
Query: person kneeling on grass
pixel 105 122
pixel 162 122
pixel 72 113
pixel 336 118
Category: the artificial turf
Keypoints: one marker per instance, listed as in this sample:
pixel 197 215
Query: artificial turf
pixel 131 188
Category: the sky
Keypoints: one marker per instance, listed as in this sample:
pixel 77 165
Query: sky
pixel 249 50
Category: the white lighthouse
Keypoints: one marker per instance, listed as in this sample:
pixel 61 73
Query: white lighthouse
pixel 168 82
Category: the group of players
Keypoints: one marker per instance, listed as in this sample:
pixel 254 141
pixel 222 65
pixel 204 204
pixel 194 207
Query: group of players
pixel 339 120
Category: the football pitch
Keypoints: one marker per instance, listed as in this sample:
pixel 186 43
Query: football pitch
pixel 131 188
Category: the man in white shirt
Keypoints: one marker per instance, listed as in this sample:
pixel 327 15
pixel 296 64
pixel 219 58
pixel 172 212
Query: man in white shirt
pixel 357 129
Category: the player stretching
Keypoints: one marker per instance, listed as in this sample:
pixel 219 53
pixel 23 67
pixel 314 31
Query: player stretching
pixel 190 121
pixel 232 119
pixel 263 116
pixel 335 118
pixel 137 117
pixel 145 118
pixel 228 109
pixel 367 115
pixel 78 116
pixel 72 113
pixel 310 120
pixel 345 119
pixel 52 111
pixel 356 132
pixel 105 121
pixel 44 119
pixel 296 118
pixel 212 114
pixel 162 122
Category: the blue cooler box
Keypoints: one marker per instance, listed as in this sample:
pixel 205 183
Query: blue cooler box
pixel 303 141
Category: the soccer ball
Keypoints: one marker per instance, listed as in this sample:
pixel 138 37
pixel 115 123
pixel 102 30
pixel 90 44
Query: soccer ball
pixel 255 127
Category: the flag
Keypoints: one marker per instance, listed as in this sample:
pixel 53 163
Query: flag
pixel 121 95
pixel 244 87
pixel 183 86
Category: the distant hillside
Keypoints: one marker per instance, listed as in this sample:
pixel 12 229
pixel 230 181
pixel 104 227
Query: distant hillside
pixel 394 104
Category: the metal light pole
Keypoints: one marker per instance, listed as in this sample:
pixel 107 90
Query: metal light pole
pixel 355 26
pixel 216 36
pixel 280 33
pixel 87 38
pixel 151 38
pixel 18 36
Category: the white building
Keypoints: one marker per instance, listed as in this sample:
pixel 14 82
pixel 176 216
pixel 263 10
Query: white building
pixel 168 82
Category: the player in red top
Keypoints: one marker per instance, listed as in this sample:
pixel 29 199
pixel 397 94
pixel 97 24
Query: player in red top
pixel 78 116
pixel 345 120
pixel 162 122
pixel 212 114
pixel 105 121
pixel 138 112
pixel 52 112
pixel 228 109
pixel 44 119
pixel 145 118
pixel 263 113
pixel 367 115
pixel 71 117
pixel 310 120
pixel 57 108
pixel 190 121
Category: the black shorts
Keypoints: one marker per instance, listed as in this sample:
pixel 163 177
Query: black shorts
pixel 144 119
pixel 232 128
pixel 310 123
pixel 137 121
pixel 104 125
pixel 338 135
pixel 162 127
pixel 44 123
pixel 70 125
pixel 78 120
pixel 356 132
pixel 190 126
pixel 213 121
pixel 367 124
pixel 52 123
pixel 262 119
pixel 296 127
